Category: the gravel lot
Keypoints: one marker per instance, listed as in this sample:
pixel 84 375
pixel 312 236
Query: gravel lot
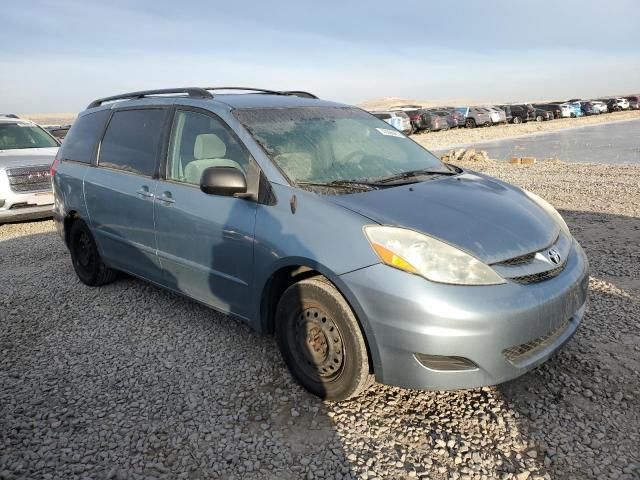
pixel 129 381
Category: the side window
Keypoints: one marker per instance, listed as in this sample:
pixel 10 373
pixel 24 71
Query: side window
pixel 80 143
pixel 200 141
pixel 132 141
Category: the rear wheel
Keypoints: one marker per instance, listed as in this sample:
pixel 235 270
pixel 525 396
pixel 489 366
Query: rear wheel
pixel 321 341
pixel 539 118
pixel 85 257
pixel 517 120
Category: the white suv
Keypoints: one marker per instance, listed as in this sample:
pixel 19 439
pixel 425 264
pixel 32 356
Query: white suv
pixel 397 119
pixel 26 154
pixel 623 103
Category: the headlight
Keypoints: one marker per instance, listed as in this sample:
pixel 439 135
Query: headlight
pixel 433 259
pixel 553 213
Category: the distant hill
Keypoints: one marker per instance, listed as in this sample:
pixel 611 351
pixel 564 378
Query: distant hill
pixel 50 118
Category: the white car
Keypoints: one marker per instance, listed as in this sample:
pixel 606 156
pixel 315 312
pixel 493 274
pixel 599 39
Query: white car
pixel 26 154
pixel 497 115
pixel 397 119
pixel 566 110
pixel 599 106
pixel 623 103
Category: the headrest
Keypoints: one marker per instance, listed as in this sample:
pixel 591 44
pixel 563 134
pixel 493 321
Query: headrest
pixel 209 145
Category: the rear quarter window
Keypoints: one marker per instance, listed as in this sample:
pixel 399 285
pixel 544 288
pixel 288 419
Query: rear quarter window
pixel 80 143
pixel 132 141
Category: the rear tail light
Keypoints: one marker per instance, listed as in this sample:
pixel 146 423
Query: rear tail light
pixel 54 167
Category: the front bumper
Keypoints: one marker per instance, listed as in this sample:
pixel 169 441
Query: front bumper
pixel 18 207
pixel 407 315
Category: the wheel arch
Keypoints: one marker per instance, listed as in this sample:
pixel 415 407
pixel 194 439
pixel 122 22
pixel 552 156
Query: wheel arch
pixel 293 270
pixel 68 221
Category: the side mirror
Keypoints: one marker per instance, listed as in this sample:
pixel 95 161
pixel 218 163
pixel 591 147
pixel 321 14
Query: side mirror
pixel 227 181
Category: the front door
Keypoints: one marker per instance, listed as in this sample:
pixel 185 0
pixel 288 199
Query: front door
pixel 119 192
pixel 205 242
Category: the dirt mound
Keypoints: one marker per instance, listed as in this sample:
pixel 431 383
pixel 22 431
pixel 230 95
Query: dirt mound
pixel 466 155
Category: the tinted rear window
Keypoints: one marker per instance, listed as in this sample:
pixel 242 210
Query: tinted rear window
pixel 80 143
pixel 132 141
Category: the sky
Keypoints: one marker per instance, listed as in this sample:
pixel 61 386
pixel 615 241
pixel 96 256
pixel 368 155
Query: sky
pixel 57 56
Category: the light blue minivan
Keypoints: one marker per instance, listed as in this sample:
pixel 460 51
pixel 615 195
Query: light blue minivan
pixel 368 257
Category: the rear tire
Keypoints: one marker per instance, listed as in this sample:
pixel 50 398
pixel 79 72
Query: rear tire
pixel 321 342
pixel 539 118
pixel 517 120
pixel 85 257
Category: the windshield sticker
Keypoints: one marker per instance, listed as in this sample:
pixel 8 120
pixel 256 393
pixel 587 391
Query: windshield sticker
pixel 389 132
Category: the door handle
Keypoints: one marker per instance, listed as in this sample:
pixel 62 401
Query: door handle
pixel 144 192
pixel 166 198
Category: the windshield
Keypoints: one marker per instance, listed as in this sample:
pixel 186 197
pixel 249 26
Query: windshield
pixel 24 135
pixel 333 144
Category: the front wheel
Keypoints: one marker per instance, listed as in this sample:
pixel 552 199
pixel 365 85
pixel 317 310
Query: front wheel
pixel 85 257
pixel 470 123
pixel 539 118
pixel 517 120
pixel 320 340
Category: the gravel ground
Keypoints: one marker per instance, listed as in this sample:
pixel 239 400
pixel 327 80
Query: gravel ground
pixel 129 381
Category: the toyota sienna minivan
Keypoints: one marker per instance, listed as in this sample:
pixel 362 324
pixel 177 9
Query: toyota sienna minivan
pixel 369 258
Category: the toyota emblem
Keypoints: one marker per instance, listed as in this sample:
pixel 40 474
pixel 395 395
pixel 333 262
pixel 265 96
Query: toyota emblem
pixel 554 256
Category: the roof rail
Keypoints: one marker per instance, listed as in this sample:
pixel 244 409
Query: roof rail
pixel 9 115
pixel 300 93
pixel 193 92
pixel 296 93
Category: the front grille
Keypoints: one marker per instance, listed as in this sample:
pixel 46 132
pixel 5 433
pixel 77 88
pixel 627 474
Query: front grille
pixel 29 179
pixel 538 277
pixel 519 260
pixel 519 353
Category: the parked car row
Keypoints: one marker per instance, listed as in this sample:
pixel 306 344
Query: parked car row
pixel 422 119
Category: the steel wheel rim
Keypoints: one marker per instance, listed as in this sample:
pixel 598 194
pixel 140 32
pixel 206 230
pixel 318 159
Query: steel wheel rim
pixel 317 344
pixel 84 250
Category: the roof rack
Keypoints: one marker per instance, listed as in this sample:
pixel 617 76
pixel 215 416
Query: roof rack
pixel 195 92
pixel 191 93
pixel 296 93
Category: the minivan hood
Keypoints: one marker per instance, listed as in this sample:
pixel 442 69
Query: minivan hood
pixel 490 219
pixel 26 157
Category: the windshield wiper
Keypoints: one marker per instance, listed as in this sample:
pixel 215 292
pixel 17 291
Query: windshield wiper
pixel 412 174
pixel 341 184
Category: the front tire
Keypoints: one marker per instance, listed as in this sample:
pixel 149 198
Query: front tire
pixel 517 120
pixel 320 340
pixel 470 123
pixel 85 257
